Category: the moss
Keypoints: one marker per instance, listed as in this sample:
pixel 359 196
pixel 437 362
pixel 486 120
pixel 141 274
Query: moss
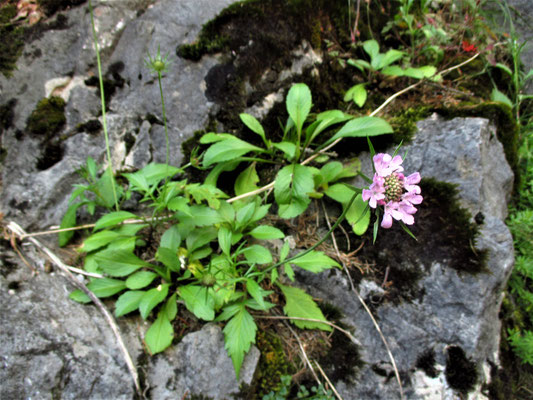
pixel 48 118
pixel 272 365
pixel 461 372
pixel 12 41
pixel 426 362
pixel 404 122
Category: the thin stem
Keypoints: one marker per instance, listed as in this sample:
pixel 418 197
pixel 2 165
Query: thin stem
pixel 102 99
pixel 164 118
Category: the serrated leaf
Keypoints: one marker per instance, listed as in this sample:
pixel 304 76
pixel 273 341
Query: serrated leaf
pixel 105 287
pixel 291 188
pixel 257 254
pixel 265 232
pixel 140 279
pixel 299 304
pixel 160 335
pixel 199 301
pixel 315 261
pixel 251 122
pixel 299 103
pixel 118 262
pixel 246 181
pixel 361 127
pixel 239 334
pixel 128 302
pixel 79 296
pixel 228 149
pixel 112 219
pixel 152 298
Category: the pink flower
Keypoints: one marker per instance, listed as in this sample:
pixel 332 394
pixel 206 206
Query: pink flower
pixel 386 165
pixel 376 192
pixel 392 190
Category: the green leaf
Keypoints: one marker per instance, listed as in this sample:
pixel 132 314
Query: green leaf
pixel 171 239
pixel 340 193
pixel 179 204
pixel 224 239
pixel 79 296
pixel 171 307
pixel 251 122
pixel 118 262
pixel 257 254
pixel 371 47
pixel 330 171
pixel 228 149
pixel 137 182
pixel 253 288
pixel 204 216
pixel 289 271
pixel 393 70
pixel 104 188
pixel 299 103
pixel 265 232
pixel 140 279
pixel 239 334
pixel 286 147
pixel 284 251
pixel 154 173
pixel 198 301
pixel 169 258
pixel 505 68
pixel 315 261
pixel 212 177
pixel 68 221
pixel 99 240
pixel 324 120
pixel 105 287
pixel 128 302
pixel 361 127
pixel 390 57
pixel 359 64
pixel 246 181
pixel 200 237
pixel 212 137
pixel 291 188
pixel 358 215
pixel 112 219
pixel 299 304
pixel 152 298
pixel 357 93
pixel 496 95
pixel 159 336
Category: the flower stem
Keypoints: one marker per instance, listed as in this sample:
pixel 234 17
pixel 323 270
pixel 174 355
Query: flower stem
pixel 102 99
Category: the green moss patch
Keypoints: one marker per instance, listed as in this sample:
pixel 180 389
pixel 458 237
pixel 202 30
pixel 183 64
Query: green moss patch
pixel 12 41
pixel 48 118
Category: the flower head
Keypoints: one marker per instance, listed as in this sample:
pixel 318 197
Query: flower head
pixel 158 64
pixel 391 189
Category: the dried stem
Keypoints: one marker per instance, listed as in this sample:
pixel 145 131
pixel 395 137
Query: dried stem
pixel 18 231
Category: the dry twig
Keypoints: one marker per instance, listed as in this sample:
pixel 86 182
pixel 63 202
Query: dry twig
pixel 19 232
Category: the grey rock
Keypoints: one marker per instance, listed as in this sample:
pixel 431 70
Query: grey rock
pixel 455 309
pixel 53 347
pixel 199 365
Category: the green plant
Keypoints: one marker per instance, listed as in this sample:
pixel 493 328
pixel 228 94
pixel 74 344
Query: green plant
pixel 383 63
pixel 317 392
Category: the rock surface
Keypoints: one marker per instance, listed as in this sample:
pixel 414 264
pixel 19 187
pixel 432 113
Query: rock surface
pixel 454 310
pixel 53 347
